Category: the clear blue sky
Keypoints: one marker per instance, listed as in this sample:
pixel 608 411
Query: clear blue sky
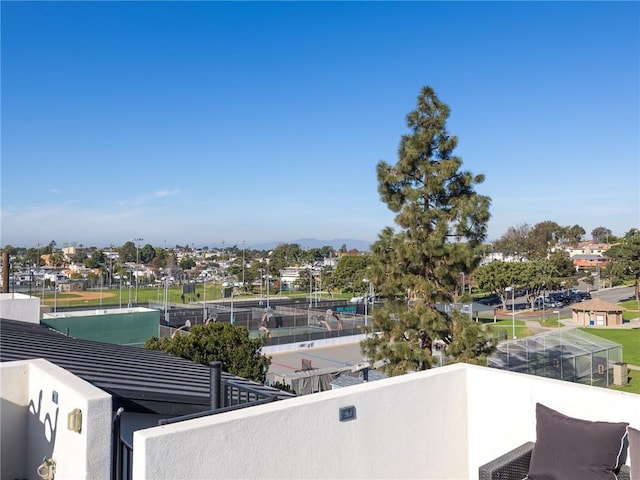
pixel 209 121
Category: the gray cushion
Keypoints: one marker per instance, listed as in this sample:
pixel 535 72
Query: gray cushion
pixel 572 449
pixel 634 453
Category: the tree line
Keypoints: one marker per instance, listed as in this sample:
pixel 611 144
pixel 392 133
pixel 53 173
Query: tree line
pixel 439 233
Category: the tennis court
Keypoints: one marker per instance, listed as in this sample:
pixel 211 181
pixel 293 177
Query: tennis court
pixel 287 331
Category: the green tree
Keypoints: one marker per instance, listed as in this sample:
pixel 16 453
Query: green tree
pixel 544 236
pixel 147 254
pixel 441 221
pixel 10 250
pixel 625 257
pixel 565 268
pixel 303 281
pixel 286 255
pixel 31 257
pixel 48 249
pixel 515 242
pixel 80 256
pixel 319 254
pixel 601 235
pixel 349 273
pixel 95 260
pixel 498 277
pixel 223 342
pixel 327 279
pixel 539 276
pixel 127 252
pixel 538 241
pixel 187 262
pixel 573 235
pixel 56 259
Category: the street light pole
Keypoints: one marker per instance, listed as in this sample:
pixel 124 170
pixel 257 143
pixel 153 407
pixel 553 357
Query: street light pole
pixel 224 273
pixel 130 281
pixel 310 287
pixel 55 294
pixel 513 309
pixel 204 298
pixel 558 312
pixel 137 262
pixel 232 320
pixel 366 301
pixel 243 286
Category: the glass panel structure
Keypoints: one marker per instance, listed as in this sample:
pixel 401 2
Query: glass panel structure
pixel 572 355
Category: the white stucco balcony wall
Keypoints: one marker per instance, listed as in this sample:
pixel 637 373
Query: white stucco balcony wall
pixel 18 306
pixel 439 424
pixel 36 398
pixel 399 432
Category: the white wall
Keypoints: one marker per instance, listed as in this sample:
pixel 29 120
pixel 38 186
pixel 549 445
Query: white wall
pixel 14 397
pixel 441 424
pixel 502 409
pixel 40 426
pixel 402 430
pixel 323 342
pixel 17 306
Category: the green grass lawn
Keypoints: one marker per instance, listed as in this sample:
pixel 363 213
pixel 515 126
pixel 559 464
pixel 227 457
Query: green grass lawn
pixel 145 295
pixel 504 328
pixel 634 383
pixel 628 338
pixel 153 294
pixel 629 305
pixel 630 311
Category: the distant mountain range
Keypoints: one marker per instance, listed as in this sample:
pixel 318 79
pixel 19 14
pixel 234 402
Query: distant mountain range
pixel 336 243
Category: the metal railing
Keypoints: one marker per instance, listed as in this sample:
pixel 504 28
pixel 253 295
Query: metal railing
pixel 233 397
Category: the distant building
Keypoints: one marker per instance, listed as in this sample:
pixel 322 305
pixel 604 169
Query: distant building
pixel 588 248
pixel 597 312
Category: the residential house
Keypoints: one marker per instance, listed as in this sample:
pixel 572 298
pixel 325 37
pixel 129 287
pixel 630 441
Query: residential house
pixel 589 254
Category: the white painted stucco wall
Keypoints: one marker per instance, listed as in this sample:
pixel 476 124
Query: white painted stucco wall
pixel 440 424
pixel 40 428
pixel 402 430
pixel 14 397
pixel 17 306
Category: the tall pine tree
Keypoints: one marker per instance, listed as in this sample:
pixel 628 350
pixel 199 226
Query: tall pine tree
pixel 441 222
pixel 625 258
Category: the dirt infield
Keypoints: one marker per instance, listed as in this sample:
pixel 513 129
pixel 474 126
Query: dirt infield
pixel 87 295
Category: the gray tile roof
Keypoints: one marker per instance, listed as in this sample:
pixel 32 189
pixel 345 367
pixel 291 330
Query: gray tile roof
pixel 138 379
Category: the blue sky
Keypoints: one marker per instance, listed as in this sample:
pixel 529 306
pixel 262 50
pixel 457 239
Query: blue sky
pixel 212 122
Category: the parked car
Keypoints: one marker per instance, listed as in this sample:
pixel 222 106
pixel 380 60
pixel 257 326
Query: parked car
pixel 575 297
pixel 559 298
pixel 545 303
pixel 490 300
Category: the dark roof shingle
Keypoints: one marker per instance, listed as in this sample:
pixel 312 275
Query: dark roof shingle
pixel 141 379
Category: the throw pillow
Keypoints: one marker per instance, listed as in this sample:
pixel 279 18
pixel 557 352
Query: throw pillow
pixel 569 448
pixel 634 453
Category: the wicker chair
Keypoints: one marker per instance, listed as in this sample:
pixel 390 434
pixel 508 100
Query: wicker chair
pixel 514 465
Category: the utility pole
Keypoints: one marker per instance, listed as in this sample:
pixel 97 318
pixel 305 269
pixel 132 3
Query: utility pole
pixel 136 240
